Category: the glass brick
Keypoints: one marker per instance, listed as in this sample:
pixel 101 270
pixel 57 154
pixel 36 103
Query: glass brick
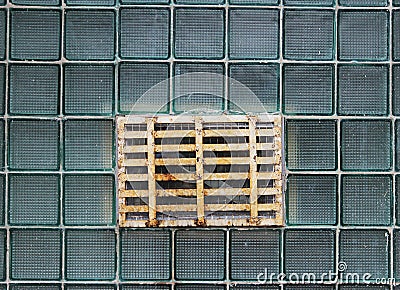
pixel 254 287
pixel 90 287
pixel 368 287
pixel 35 34
pixel 396 89
pixel 309 34
pixel 2 88
pixel 88 144
pixel 308 2
pixel 145 255
pixel 396 2
pixel 89 90
pixel 89 35
pixel 311 145
pixel 246 259
pixel 364 3
pixel 251 2
pixel 306 287
pixel 199 33
pixel 396 255
pixel 91 2
pixel 2 197
pixel 259 29
pixel 145 287
pixel 34 144
pixel 41 260
pixel 3 251
pixel 397 151
pixel 363 89
pixel 396 35
pixel 363 35
pixel 144 33
pixel 34 287
pixel 34 90
pixel 365 251
pixel 200 255
pixel 366 145
pixel 37 2
pixel 90 254
pixel 3 31
pixel 2 145
pixel 308 89
pixel 144 1
pixel 198 2
pixel 367 200
pixel 200 287
pixel 397 192
pixel 89 200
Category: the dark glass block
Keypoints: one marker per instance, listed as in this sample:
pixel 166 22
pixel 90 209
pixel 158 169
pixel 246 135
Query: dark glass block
pixel 91 2
pixel 308 2
pixel 396 35
pixel 364 3
pixel 396 89
pixel 37 2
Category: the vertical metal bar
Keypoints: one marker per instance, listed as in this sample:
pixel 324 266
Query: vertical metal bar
pixel 151 172
pixel 199 170
pixel 253 168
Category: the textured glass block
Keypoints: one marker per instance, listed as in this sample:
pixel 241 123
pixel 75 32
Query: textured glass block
pixel 308 2
pixel 2 145
pixel 90 254
pixel 34 287
pixel 2 88
pixel 396 35
pixel 144 287
pixel 363 35
pixel 396 89
pixel 367 200
pixel 306 287
pixel 2 197
pixel 35 34
pixel 308 89
pixel 89 200
pixel 37 2
pixel 365 251
pixel 144 1
pixel 262 80
pixel 253 33
pixel 309 251
pixel 145 255
pixel 254 287
pixel 199 33
pixel 91 2
pixel 309 34
pixel 311 145
pixel 88 89
pixel 41 260
pixel 396 2
pixel 196 2
pixel 251 2
pixel 366 145
pixel 397 151
pixel 3 31
pixel 368 287
pixel 363 3
pixel 396 254
pixel 200 287
pixel 144 33
pixel 89 35
pixel 90 287
pixel 363 89
pixel 88 144
pixel 34 144
pixel 34 199
pixel 200 255
pixel 246 259
pixel 34 90
pixel 397 199
pixel 3 250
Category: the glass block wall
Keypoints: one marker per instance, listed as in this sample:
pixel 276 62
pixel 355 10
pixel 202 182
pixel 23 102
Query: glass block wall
pixel 69 67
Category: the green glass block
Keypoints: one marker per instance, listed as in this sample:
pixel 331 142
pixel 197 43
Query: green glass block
pixel 34 199
pixel 89 90
pixel 308 89
pixel 259 28
pixel 311 144
pixel 91 2
pixel 89 200
pixel 308 2
pixel 36 2
pixel 2 145
pixel 3 37
pixel 366 145
pixel 90 35
pixel 199 33
pixel 145 255
pixel 363 90
pixel 363 35
pixel 246 259
pixel 396 2
pixel 34 287
pixel 396 89
pixel 90 254
pixel 397 192
pixel 306 287
pixel 2 88
pixel 2 197
pixel 144 2
pixel 396 254
pixel 308 34
pixel 88 144
pixel 3 251
pixel 255 3
pixel 41 260
pixel 397 139
pixel 35 34
pixel 200 2
pixel 33 144
pixel 396 35
pixel 368 287
pixel 364 3
pixel 366 200
pixel 90 287
pixel 254 287
pixel 309 251
pixel 144 287
pixel 34 90
pixel 200 287
pixel 365 251
pixel 200 255
pixel 136 41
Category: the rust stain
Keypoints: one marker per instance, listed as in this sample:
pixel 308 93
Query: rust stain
pixel 153 223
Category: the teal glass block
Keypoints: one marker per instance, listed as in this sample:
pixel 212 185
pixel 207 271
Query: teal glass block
pixel 311 144
pixel 2 88
pixel 366 145
pixel 90 35
pixel 89 89
pixel 259 28
pixel 3 251
pixel 308 34
pixel 200 2
pixel 36 2
pixel 88 144
pixel 90 254
pixel 363 3
pixel 41 260
pixel 144 2
pixel 365 251
pixel 199 33
pixel 254 287
pixel 34 287
pixel 306 287
pixel 145 255
pixel 2 197
pixel 145 287
pixel 396 35
pixel 309 251
pixel 368 287
pixel 396 254
pixel 308 89
pixel 255 3
pixel 35 34
pixel 363 90
pixel 397 140
pixel 199 287
pixel 363 35
pixel 396 89
pixel 397 192
pixel 3 31
pixel 33 199
pixel 308 2
pixel 33 144
pixel 396 2
pixel 2 145
pixel 89 200
pixel 136 41
pixel 366 200
pixel 34 90
pixel 246 259
pixel 91 2
pixel 90 287
pixel 200 255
